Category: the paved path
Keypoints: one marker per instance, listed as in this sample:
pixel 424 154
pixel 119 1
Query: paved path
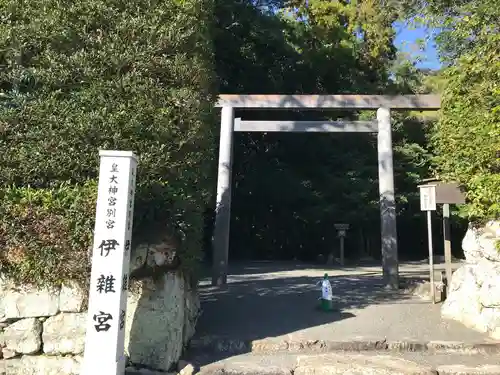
pixel 269 300
pixel 264 322
pixel 266 318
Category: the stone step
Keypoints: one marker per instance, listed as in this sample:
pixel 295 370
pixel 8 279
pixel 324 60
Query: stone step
pixel 351 363
pixel 213 344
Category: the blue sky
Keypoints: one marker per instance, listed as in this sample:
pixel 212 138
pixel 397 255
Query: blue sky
pixel 407 36
pixel 406 40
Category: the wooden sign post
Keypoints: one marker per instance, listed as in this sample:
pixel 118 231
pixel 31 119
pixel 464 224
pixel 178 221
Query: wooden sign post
pixel 432 193
pixel 341 233
pixel 447 242
pixel 104 341
pixel 428 203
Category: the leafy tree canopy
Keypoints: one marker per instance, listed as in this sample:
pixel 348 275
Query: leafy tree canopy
pixel 467 136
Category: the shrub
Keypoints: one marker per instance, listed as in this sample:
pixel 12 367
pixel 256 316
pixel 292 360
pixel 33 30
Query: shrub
pixel 81 76
pixel 45 233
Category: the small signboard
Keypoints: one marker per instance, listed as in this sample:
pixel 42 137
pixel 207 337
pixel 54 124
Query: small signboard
pixel 343 227
pixel 427 198
pixel 104 339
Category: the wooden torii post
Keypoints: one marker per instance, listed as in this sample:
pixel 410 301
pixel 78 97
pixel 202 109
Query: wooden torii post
pixel 382 125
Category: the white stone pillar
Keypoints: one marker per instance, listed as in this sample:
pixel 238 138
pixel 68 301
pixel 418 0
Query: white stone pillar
pixel 220 242
pixel 104 340
pixel 388 231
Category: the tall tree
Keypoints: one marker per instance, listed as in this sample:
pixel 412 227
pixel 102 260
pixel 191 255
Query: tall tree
pixel 467 136
pixel 290 189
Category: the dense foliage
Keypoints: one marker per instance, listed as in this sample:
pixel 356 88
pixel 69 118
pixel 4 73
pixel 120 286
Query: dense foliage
pixel 290 189
pixel 45 233
pixel 466 138
pixel 77 77
pixel 142 75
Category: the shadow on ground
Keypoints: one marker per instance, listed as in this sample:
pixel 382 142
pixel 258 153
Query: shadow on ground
pixel 263 300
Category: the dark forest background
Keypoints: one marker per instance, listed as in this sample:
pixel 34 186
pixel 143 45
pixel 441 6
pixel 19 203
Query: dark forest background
pixel 290 189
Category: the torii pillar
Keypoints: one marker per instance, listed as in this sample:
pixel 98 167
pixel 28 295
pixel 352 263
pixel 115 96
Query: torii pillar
pixel 383 104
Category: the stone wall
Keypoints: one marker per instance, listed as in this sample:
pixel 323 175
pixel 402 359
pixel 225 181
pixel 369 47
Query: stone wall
pixel 474 296
pixel 42 331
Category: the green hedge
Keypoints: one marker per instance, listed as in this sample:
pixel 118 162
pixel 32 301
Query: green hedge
pixel 76 77
pixel 45 233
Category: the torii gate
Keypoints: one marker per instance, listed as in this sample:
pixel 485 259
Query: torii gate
pixel 382 126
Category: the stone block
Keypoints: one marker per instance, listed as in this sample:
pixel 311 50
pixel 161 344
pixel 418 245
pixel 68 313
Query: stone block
pixel 480 243
pixel 474 294
pixel 7 353
pixel 155 320
pixel 191 313
pixel 64 334
pixel 491 318
pixel 138 257
pixel 38 365
pixel 71 298
pixel 358 364
pixel 187 370
pixel 27 302
pixel 462 302
pixel 489 294
pixel 24 336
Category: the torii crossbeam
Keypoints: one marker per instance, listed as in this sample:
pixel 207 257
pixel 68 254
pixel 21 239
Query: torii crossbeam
pixel 381 126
